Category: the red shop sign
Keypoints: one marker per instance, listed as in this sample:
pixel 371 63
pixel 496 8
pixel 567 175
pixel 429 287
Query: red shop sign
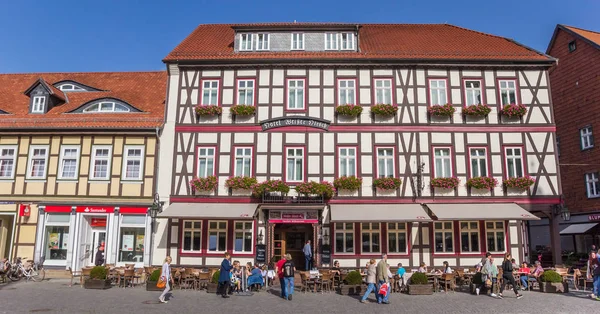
pixel 98 222
pixel 24 210
pixel 133 210
pixel 57 209
pixel 95 209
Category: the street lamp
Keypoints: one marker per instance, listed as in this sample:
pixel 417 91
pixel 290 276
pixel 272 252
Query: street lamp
pixel 563 211
pixel 325 236
pixel 260 237
pixel 155 209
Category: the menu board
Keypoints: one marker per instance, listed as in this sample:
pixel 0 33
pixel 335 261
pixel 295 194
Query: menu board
pixel 326 254
pixel 127 244
pixel 261 253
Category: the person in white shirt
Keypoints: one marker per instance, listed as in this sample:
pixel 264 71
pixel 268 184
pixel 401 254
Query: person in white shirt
pixel 447 269
pixel 167 277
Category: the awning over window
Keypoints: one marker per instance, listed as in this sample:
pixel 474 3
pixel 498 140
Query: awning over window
pixel 378 212
pixel 489 211
pixel 578 228
pixel 209 210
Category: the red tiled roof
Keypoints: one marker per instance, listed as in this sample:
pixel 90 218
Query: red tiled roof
pixel 376 42
pixel 589 35
pixel 142 90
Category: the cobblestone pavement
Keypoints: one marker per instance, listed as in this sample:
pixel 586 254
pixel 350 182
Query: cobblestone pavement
pixel 55 296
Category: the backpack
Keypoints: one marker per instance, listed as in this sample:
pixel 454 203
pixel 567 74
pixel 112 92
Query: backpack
pixel 288 269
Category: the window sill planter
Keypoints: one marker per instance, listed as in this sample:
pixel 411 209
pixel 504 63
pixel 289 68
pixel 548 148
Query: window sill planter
pixel 351 183
pixel 445 183
pixel 313 188
pixel 441 111
pixel 242 110
pixel 97 284
pixel 240 185
pixel 151 286
pixel 387 184
pixel 349 110
pixel 522 183
pixel 514 111
pixel 482 183
pixel 384 110
pixel 479 110
pixel 204 184
pixel 208 110
pixel 270 187
pixel 420 289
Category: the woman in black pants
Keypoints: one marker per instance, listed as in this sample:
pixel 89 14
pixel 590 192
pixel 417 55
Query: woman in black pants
pixel 507 276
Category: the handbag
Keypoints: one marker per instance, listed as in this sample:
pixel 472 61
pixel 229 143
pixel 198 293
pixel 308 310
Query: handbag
pixel 488 283
pixel 162 283
pixel 383 290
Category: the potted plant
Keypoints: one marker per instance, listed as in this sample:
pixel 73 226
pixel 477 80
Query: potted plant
pixel 446 183
pixel 514 110
pixel 97 279
pixel 521 183
pixel 212 286
pixel 352 284
pixel 418 285
pixel 347 183
pixel 479 110
pixel 208 110
pixel 153 280
pixel 324 188
pixel 242 110
pixel 240 183
pixel 387 183
pixel 482 183
pixel 204 184
pixel 349 110
pixel 384 109
pixel 552 282
pixel 446 110
pixel 266 187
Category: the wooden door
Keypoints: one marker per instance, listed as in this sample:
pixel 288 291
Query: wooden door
pixel 279 245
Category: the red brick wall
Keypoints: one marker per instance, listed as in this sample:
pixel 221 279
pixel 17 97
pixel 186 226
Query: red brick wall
pixel 575 83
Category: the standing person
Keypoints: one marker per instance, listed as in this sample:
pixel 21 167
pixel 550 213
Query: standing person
pixel 593 272
pixel 484 272
pixel 167 277
pixel 224 279
pixel 288 276
pixel 279 270
pixel 371 273
pixel 307 250
pixel 381 275
pixel 508 277
pixel 99 259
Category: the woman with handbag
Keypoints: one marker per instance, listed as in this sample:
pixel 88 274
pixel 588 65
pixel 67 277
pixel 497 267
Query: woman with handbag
pixel 165 280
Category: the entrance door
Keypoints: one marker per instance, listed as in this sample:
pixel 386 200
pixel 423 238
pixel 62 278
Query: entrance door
pixel 98 237
pixel 294 244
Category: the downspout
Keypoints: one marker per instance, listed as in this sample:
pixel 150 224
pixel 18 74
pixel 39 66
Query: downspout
pixel 156 175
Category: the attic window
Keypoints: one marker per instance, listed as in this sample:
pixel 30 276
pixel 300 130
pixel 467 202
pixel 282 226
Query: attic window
pixel 70 88
pixel 39 103
pixel 106 106
pixel 572 46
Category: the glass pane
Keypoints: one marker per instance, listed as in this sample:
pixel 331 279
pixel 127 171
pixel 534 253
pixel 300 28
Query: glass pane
pixel 187 224
pixel 489 225
pixel 349 242
pixel 212 241
pixel 366 226
pixel 475 242
pixel 222 225
pixel 391 226
pixel 339 226
pixel 339 242
pixel 375 242
pixel 348 226
pixel 238 244
pixel 239 225
pixel 213 225
pixel 375 225
pixel 247 242
pixel 499 225
pixel 366 243
pixel 464 241
pixel 134 219
pixel 500 241
pixel 392 244
pixel 401 242
pixel 57 242
pixel 131 247
pixel 464 225
pixel 473 225
pixel 187 241
pixel 439 244
pixel 222 241
pixel 449 244
pixel 447 225
pixel 197 224
pixel 491 244
pixel 196 241
pixel 438 225
pixel 402 226
pixel 53 218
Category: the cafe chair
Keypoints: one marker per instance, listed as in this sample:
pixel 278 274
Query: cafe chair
pixel 128 277
pixel 449 282
pixel 306 282
pixel 326 281
pixel 85 274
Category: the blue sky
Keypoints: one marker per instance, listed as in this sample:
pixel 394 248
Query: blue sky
pixel 134 35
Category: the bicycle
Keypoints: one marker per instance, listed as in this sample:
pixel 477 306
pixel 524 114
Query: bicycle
pixel 31 271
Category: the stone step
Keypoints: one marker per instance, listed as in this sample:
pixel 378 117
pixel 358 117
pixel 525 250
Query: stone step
pixel 57 274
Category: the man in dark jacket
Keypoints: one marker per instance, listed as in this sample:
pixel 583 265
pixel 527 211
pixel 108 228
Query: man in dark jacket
pixel 224 279
pixel 99 259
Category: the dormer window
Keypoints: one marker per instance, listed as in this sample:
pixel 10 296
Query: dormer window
pixel 297 41
pixel 39 104
pixel 331 41
pixel 107 106
pixel 246 42
pixel 262 41
pixel 70 88
pixel 339 41
pixel 347 41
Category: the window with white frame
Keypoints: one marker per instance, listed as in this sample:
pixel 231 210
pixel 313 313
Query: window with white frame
pixel 347 158
pixel 443 163
pixel 217 236
pixel 243 237
pixel 478 162
pixel 133 164
pixel 39 104
pixel 514 162
pixel 70 88
pixel 106 106
pixel 243 161
pixel 370 237
pixel 385 162
pixel 100 163
pixel 508 92
pixel 246 42
pixel 331 41
pixel 347 41
pixel 206 162
pixel 495 236
pixel 246 92
pixel 210 92
pixel 297 41
pixel 132 234
pixel 469 236
pixel 295 94
pixel 56 237
pixel 344 237
pixel 473 92
pixel 592 184
pixel 444 237
pixel 69 162
pixel 437 92
pixel 262 41
pixel 346 92
pixel 397 237
pixel 8 158
pixel 295 165
pixel 383 91
pixel 587 137
pixel 38 162
pixel 191 236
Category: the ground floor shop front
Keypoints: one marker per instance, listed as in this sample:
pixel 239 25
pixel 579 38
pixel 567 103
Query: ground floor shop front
pixel 577 235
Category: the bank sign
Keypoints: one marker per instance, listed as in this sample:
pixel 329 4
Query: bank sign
pixel 295 121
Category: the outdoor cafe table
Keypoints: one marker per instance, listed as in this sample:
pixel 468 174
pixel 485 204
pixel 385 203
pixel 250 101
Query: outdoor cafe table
pixel 436 278
pixel 314 275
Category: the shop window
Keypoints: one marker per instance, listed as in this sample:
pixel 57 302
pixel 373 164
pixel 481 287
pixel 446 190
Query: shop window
pixel 397 237
pixel 344 237
pixel 217 236
pixel 495 236
pixel 243 237
pixel 192 235
pixel 131 238
pixel 444 237
pixel 371 236
pixel 57 237
pixel 469 236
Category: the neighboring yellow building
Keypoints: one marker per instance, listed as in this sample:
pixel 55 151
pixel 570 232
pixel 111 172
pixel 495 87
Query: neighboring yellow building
pixel 78 154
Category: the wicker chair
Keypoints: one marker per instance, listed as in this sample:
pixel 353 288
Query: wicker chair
pixel 326 281
pixel 449 282
pixel 128 277
pixel 306 282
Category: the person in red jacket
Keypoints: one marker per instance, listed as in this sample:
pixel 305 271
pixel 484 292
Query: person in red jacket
pixel 279 270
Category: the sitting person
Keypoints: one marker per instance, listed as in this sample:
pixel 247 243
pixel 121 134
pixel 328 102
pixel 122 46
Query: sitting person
pixel 447 269
pixel 422 268
pixel 523 271
pixel 336 271
pixel 535 273
pixel 514 265
pixel 254 276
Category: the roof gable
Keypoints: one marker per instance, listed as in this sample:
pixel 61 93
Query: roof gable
pixel 53 91
pixel 590 37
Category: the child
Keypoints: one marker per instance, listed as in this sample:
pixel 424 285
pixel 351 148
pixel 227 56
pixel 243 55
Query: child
pixel 236 276
pixel 400 277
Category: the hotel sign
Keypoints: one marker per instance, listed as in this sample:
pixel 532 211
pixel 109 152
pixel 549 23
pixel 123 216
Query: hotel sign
pixel 309 216
pixel 295 121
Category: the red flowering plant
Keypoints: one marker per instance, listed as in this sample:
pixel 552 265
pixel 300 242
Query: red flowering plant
pixel 484 183
pixel 208 110
pixel 514 110
pixel 522 183
pixel 259 189
pixel 387 183
pixel 384 109
pixel 240 183
pixel 204 184
pixel 349 110
pixel 446 110
pixel 242 110
pixel 446 183
pixel 479 110
pixel 324 188
pixel 347 183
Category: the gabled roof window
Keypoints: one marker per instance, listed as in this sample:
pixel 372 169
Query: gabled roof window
pixel 106 106
pixel 72 86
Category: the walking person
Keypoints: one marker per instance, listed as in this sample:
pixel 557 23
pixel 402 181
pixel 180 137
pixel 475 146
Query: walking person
pixel 508 277
pixel 167 277
pixel 371 273
pixel 381 275
pixel 593 272
pixel 224 276
pixel 307 250
pixel 288 276
pixel 488 272
pixel 99 259
pixel 279 271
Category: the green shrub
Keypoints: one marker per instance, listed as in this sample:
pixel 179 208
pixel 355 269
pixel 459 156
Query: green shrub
pixel 98 272
pixel 215 278
pixel 418 279
pixel 477 279
pixel 155 275
pixel 354 278
pixel 551 276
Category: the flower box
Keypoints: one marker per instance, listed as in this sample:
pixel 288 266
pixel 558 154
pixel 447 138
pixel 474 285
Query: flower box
pixel 208 110
pixel 387 183
pixel 324 188
pixel 446 183
pixel 479 110
pixel 514 110
pixel 204 184
pixel 241 183
pixel 352 289
pixel 384 109
pixel 268 186
pixel 97 284
pixel 446 110
pixel 522 183
pixel 242 110
pixel 420 289
pixel 349 110
pixel 482 183
pixel 347 183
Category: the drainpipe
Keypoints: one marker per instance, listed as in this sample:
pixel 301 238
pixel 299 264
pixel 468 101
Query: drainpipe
pixel 156 176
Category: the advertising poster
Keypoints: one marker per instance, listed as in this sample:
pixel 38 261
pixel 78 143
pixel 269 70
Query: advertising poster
pixel 65 241
pixel 139 242
pixel 53 240
pixel 127 242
